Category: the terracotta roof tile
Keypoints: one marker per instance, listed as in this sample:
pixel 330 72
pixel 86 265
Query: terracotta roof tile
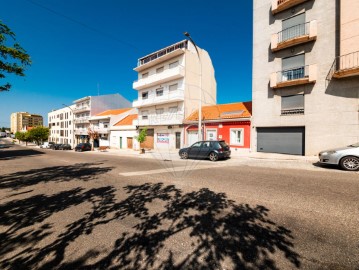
pixel 113 112
pixel 224 111
pixel 127 121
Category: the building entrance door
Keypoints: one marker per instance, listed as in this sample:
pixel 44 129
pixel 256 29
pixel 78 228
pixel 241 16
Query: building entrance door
pixel 178 140
pixel 211 134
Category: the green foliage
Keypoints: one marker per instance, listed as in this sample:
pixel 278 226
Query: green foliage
pixel 13 58
pixel 142 136
pixel 39 134
pixel 20 136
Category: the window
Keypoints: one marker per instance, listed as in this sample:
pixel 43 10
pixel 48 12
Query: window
pixel 144 114
pixel 293 27
pixel 144 75
pixel 236 136
pixel 293 67
pixel 173 64
pixel 144 95
pixel 173 109
pixel 159 111
pixel 159 70
pixel 173 87
pixel 197 144
pixel 292 104
pixel 159 92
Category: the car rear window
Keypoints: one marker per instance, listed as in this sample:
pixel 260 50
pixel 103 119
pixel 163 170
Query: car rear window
pixel 223 144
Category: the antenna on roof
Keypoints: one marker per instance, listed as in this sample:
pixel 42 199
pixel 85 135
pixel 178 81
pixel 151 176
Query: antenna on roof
pixel 98 89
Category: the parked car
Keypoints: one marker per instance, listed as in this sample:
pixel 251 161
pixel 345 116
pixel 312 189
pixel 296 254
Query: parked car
pixel 346 157
pixel 213 150
pixel 83 147
pixel 55 146
pixel 46 145
pixel 65 146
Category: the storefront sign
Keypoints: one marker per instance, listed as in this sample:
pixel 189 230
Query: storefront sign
pixel 163 138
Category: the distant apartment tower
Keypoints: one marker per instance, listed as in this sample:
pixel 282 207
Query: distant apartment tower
pixel 90 106
pixel 21 120
pixel 61 124
pixel 169 84
pixel 305 75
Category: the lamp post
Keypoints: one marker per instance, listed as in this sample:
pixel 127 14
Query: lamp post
pixel 200 88
pixel 73 125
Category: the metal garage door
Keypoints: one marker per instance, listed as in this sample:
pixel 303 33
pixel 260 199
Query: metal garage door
pixel 284 140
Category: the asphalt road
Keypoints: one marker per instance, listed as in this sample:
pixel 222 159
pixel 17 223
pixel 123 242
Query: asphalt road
pixel 67 210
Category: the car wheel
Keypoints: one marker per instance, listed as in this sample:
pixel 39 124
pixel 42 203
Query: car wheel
pixel 184 155
pixel 213 156
pixel 349 163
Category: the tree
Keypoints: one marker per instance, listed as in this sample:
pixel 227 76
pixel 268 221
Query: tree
pixel 39 134
pixel 13 58
pixel 93 134
pixel 142 138
pixel 20 136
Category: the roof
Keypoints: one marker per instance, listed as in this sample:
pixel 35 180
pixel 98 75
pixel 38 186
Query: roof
pixel 223 111
pixel 127 121
pixel 113 112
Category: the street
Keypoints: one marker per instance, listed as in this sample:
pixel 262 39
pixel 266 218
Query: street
pixel 91 210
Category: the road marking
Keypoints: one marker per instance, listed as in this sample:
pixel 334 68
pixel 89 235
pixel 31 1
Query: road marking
pixel 170 170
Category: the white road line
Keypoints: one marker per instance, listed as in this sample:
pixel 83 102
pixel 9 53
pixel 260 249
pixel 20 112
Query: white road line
pixel 169 170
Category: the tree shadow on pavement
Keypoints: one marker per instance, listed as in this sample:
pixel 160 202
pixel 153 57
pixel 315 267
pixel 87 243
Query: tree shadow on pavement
pixel 170 229
pixel 79 171
pixel 16 153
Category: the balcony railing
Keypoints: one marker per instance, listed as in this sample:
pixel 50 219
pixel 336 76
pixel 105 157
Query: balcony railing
pixel 81 109
pixel 162 52
pixel 294 35
pixel 280 5
pixel 344 66
pixel 101 130
pixel 162 119
pixel 294 76
pixel 159 78
pixel 81 120
pixel 168 96
pixel 81 131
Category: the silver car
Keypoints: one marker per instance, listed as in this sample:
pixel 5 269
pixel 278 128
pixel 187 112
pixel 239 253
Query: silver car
pixel 347 157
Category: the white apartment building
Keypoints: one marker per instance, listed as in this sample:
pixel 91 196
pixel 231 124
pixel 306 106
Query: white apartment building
pixel 169 84
pixel 305 75
pixel 61 124
pixel 89 106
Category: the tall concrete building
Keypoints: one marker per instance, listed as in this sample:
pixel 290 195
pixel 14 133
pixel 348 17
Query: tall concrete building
pixel 305 75
pixel 61 124
pixel 171 81
pixel 21 120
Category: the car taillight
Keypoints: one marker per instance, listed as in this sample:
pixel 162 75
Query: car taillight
pixel 220 150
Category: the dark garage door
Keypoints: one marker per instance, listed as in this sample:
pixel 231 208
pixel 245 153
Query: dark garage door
pixel 284 140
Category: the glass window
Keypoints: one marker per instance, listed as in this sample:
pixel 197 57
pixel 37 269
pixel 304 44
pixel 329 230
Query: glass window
pixel 236 136
pixel 173 87
pixel 159 92
pixel 197 144
pixel 144 95
pixel 173 64
pixel 293 104
pixel 159 111
pixel 144 75
pixel 159 70
pixel 173 109
pixel 144 114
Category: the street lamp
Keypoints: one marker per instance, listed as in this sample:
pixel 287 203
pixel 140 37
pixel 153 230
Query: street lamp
pixel 73 125
pixel 200 88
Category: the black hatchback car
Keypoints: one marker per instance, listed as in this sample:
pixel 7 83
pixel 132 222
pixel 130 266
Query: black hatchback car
pixel 65 146
pixel 83 147
pixel 55 146
pixel 213 150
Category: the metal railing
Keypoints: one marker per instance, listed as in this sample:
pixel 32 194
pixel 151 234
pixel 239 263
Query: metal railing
pixel 282 1
pixel 344 62
pixel 169 49
pixel 293 74
pixel 294 31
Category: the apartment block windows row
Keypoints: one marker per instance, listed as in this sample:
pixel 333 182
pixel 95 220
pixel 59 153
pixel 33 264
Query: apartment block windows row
pixel 160 69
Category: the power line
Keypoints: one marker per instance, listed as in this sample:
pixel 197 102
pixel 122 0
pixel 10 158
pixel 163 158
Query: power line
pixel 84 25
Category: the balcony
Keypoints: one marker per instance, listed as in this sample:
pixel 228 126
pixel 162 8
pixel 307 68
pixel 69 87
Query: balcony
pixel 161 55
pixel 168 96
pixel 162 119
pixel 294 35
pixel 81 131
pixel 81 109
pixel 159 78
pixel 280 5
pixel 101 130
pixel 294 76
pixel 345 66
pixel 82 120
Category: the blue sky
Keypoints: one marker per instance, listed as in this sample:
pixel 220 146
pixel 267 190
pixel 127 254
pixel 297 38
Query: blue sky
pixel 78 47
